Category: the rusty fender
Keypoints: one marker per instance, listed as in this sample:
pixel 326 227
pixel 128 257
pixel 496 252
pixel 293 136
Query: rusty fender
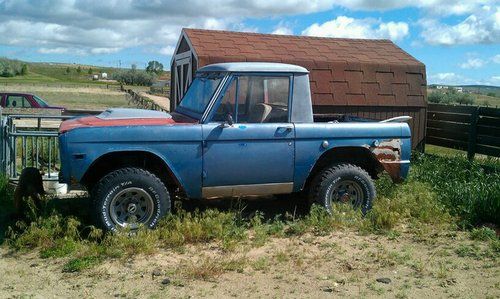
pixel 388 153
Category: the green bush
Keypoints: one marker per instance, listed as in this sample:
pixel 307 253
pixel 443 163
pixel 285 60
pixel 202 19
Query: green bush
pixel 483 234
pixel 12 68
pixel 467 189
pixel 414 202
pixel 450 97
pixel 135 77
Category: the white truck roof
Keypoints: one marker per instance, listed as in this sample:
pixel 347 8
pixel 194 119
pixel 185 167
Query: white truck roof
pixel 267 67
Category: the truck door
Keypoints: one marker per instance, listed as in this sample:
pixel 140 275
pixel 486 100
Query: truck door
pixel 255 154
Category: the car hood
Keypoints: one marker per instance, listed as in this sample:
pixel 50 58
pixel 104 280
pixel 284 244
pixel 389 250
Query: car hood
pixel 124 117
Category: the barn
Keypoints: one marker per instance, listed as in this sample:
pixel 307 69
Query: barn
pixel 365 78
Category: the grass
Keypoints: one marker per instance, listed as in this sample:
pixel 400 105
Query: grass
pixel 75 100
pixel 485 100
pixel 440 194
pixel 79 96
pixel 468 190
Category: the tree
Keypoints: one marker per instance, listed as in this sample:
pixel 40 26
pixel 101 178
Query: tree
pixel 68 70
pixel 436 97
pixel 134 77
pixel 24 69
pixel 464 98
pixel 90 71
pixel 154 67
pixel 79 69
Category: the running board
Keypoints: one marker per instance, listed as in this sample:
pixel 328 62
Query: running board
pixel 247 190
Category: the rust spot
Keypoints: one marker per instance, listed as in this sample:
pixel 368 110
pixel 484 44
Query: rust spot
pixel 393 169
pixel 388 153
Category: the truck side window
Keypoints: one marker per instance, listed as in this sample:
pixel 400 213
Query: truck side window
pixel 227 104
pixel 263 99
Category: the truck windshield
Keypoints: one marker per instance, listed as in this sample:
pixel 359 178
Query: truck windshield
pixel 200 92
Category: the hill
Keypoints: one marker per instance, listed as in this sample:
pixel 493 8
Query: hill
pixel 46 72
pixel 484 95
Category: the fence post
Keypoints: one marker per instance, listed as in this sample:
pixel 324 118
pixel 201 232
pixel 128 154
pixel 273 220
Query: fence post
pixel 2 140
pixel 471 147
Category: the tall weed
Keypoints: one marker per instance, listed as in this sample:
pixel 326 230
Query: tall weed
pixel 468 189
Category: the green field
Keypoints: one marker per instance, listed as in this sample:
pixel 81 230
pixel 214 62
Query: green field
pixel 73 96
pixel 73 90
pixel 56 72
pixel 484 100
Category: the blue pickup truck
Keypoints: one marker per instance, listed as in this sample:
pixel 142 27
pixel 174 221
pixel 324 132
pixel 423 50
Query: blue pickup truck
pixel 242 129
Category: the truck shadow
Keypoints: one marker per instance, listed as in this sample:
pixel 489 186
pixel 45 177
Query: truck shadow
pixel 270 206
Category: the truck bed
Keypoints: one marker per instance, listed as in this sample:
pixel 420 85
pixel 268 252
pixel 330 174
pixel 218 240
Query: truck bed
pixel 337 117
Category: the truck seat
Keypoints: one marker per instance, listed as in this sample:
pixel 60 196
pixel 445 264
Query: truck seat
pixel 259 113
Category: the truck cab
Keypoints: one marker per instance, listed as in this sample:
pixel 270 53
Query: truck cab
pixel 241 129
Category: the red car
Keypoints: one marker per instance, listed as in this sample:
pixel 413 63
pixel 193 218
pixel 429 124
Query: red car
pixel 23 100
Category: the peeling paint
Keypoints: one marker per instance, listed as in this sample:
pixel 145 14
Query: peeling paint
pixel 388 153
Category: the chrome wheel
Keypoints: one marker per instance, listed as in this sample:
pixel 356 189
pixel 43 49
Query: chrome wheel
pixel 131 207
pixel 347 192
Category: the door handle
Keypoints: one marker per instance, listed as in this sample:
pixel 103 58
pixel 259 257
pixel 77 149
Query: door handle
pixel 284 129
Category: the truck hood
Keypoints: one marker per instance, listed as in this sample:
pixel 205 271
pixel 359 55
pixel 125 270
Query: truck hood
pixel 124 117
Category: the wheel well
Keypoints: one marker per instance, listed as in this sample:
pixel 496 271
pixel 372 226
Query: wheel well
pixel 359 156
pixel 116 160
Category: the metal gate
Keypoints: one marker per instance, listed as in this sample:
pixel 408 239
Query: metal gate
pixel 30 141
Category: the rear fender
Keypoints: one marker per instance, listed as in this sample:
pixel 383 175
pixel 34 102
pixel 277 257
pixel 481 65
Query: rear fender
pixel 389 153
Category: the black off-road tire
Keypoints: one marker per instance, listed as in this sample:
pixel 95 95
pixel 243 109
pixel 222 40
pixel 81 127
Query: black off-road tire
pixel 116 185
pixel 330 179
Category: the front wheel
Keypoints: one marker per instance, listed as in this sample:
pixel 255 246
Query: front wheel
pixel 130 197
pixel 343 183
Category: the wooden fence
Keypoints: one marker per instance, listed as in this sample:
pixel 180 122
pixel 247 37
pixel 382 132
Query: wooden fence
pixel 470 128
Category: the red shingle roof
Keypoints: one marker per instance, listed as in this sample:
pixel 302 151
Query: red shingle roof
pixel 343 72
pixel 268 47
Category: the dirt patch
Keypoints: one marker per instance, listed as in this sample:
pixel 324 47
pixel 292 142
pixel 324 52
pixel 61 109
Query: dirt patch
pixel 343 263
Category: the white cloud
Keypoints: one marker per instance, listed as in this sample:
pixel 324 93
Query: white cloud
pixel 347 27
pixel 96 26
pixel 434 7
pixel 167 51
pixel 446 78
pixel 58 50
pixel 282 30
pixel 473 63
pixel 495 80
pixel 496 58
pixel 481 27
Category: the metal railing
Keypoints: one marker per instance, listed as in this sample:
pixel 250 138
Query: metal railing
pixel 30 141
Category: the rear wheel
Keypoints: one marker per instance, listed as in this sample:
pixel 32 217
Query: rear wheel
pixel 130 197
pixel 343 183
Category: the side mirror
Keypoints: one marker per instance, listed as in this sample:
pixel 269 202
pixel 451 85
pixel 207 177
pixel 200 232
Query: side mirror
pixel 229 121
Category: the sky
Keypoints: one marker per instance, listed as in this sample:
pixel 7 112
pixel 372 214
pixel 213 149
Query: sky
pixel 458 41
